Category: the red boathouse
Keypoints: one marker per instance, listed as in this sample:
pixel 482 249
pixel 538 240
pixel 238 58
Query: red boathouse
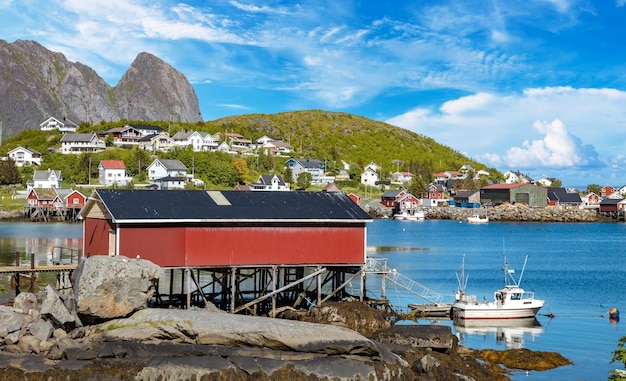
pixel 274 240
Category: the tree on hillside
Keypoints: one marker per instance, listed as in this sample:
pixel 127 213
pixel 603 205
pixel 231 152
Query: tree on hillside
pixel 304 180
pixel 595 188
pixel 419 187
pixel 9 173
pixel 241 168
pixel 556 183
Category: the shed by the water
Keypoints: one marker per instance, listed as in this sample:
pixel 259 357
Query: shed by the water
pixel 194 228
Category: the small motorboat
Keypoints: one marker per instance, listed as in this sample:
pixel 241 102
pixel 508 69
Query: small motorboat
pixel 477 219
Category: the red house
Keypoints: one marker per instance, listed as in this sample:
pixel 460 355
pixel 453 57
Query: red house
pixel 189 228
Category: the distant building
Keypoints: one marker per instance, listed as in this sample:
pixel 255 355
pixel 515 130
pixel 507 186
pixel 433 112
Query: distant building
pixel 112 172
pixel 370 175
pixel 312 166
pixel 25 156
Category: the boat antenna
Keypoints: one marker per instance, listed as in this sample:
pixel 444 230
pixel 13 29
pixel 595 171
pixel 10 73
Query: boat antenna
pixel 519 281
pixel 462 279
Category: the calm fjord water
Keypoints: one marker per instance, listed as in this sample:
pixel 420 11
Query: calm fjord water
pixel 579 269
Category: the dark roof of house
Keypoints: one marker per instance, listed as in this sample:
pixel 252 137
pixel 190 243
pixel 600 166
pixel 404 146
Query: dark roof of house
pixel 141 206
pixel 267 179
pixel 610 201
pixel 464 194
pixel 562 196
pixel 391 193
pixel 72 138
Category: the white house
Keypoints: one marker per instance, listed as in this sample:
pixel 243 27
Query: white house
pixel 269 183
pixel 79 143
pixel 113 172
pixel 161 168
pixel 157 142
pixel 25 156
pixel 312 166
pixel 278 147
pixel 170 182
pixel 199 141
pixel 402 177
pixel 54 124
pixel 146 129
pixel 370 174
pixel 546 181
pixel 46 179
pixel 511 177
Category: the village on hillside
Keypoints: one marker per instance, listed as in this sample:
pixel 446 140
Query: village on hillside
pixel 45 196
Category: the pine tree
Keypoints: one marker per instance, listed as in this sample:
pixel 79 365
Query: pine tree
pixel 9 173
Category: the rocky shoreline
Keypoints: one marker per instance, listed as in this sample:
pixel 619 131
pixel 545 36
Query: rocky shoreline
pixel 505 212
pixel 103 331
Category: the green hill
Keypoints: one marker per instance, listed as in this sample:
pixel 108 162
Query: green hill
pixel 335 136
pixel 332 137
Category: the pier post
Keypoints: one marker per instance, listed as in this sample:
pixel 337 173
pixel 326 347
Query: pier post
pixel 233 289
pixel 32 273
pixel 17 274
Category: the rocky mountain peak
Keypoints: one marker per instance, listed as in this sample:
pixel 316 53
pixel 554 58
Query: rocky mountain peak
pixel 37 83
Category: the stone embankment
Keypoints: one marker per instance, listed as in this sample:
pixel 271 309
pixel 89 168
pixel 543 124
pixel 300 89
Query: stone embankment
pixel 520 213
pixel 505 212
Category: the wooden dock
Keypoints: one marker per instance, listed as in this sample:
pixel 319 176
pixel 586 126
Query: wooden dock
pixel 36 269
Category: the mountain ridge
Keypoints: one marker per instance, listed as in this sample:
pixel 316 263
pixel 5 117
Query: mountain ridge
pixel 38 83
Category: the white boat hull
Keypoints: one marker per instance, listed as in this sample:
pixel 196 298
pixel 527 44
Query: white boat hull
pixel 477 220
pixel 490 311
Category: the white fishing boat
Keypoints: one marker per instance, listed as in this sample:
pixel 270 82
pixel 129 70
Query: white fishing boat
pixel 477 219
pixel 409 215
pixel 510 302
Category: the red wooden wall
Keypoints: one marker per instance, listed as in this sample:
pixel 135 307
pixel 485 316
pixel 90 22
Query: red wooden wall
pixel 178 246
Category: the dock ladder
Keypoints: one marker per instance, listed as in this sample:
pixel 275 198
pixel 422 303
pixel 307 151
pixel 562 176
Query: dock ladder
pixel 379 266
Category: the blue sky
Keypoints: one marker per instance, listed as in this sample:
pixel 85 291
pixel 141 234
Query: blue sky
pixel 535 86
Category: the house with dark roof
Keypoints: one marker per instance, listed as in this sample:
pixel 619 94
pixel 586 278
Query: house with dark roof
pixel 45 179
pixel 466 197
pixel 81 143
pixel 390 197
pixel 160 168
pixel 558 196
pixel 312 166
pixel 25 156
pixel 269 183
pixel 53 123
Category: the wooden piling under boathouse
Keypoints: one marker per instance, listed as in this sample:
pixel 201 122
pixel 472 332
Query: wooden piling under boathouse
pixel 244 251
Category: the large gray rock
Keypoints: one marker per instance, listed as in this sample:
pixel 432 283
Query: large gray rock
pixel 11 321
pixel 238 331
pixel 42 330
pixel 25 302
pixel 112 287
pixel 55 310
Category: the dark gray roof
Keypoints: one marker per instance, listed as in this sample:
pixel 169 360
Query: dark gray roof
pixel 67 138
pixel 173 165
pixel 141 206
pixel 391 194
pixel 562 196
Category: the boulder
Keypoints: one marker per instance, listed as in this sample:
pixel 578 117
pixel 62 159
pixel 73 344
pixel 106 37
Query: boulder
pixel 112 287
pixel 433 337
pixel 55 310
pixel 25 302
pixel 42 330
pixel 11 321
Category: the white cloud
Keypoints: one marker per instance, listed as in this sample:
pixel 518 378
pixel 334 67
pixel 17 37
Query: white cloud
pixel 557 149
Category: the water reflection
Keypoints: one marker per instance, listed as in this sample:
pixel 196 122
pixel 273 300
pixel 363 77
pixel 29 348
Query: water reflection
pixel 511 333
